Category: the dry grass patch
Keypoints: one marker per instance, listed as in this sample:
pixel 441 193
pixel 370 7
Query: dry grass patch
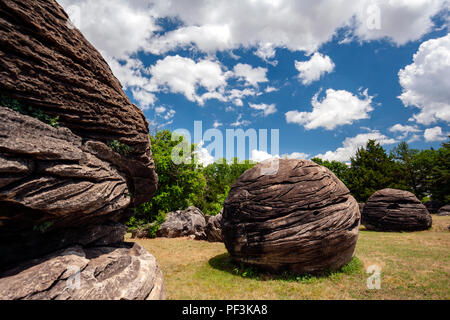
pixel 413 266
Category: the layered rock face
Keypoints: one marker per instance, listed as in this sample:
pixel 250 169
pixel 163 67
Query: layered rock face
pixel 444 211
pixel 300 218
pixel 184 223
pixel 395 210
pixel 126 272
pixel 213 229
pixel 68 184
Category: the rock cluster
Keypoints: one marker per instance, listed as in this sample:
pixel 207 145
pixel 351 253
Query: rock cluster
pixel 70 181
pixel 299 217
pixel 184 223
pixel 444 211
pixel 395 210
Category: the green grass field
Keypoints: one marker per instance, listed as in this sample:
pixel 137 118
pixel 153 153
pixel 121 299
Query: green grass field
pixel 413 266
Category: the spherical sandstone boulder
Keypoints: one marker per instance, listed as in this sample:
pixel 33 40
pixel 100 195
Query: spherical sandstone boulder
pixel 395 210
pixel 290 215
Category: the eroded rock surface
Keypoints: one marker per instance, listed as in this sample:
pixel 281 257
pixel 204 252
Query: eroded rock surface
pixel 68 186
pixel 300 218
pixel 49 65
pixel 125 272
pixel 213 229
pixel 444 211
pixel 395 210
pixel 184 223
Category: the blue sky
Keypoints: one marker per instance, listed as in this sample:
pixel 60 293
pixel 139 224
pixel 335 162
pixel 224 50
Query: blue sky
pixel 328 76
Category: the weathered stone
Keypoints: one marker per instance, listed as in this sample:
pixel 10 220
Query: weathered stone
pixel 361 207
pixel 433 206
pixel 395 210
pixel 101 273
pixel 444 211
pixel 183 223
pixel 213 229
pixel 61 186
pixel 60 192
pixel 290 215
pixel 51 67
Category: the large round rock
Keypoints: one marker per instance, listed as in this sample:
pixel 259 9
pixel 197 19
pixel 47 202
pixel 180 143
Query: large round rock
pixel 395 210
pixel 290 215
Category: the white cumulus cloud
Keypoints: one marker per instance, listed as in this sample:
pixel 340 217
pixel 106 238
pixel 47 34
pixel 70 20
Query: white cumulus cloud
pixel 338 107
pixel 250 75
pixel 434 134
pixel 426 82
pixel 266 109
pixel 314 68
pixel 184 75
pixel 351 145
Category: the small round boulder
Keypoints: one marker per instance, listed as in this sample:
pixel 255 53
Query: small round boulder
pixel 395 210
pixel 290 215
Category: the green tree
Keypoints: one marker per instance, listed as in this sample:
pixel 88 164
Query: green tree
pixel 179 185
pixel 219 178
pixel 439 178
pixel 405 170
pixel 371 170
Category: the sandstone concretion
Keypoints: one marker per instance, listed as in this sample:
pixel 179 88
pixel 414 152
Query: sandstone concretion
pixel 291 215
pixel 126 272
pixel 444 211
pixel 57 184
pixel 395 210
pixel 213 229
pixel 75 158
pixel 183 223
pixel 433 206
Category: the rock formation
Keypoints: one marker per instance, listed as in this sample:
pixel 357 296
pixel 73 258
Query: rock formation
pixel 361 207
pixel 184 223
pixel 433 206
pixel 444 211
pixel 298 217
pixel 213 229
pixel 74 152
pixel 98 273
pixel 395 210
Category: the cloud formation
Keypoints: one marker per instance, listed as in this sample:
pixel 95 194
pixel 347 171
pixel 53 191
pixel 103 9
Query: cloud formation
pixel 314 68
pixel 337 108
pixel 426 82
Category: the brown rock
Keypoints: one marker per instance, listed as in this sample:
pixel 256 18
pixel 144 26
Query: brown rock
pixel 51 67
pixel 444 211
pixel 299 218
pixel 433 206
pixel 395 210
pixel 183 223
pixel 76 273
pixel 63 186
pixel 213 229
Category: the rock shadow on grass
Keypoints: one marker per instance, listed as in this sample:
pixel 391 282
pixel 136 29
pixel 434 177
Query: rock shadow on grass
pixel 223 262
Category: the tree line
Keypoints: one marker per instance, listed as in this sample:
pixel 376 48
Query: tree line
pixel 426 173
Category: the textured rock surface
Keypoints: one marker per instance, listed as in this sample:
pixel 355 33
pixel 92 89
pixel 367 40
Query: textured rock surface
pixel 100 273
pixel 444 211
pixel 361 207
pixel 433 206
pixel 63 186
pixel 183 223
pixel 395 210
pixel 49 66
pixel 213 229
pixel 301 219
